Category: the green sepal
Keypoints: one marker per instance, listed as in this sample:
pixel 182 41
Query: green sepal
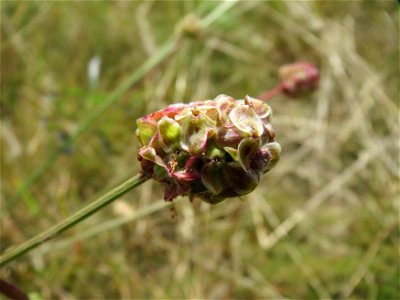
pixel 145 131
pixel 170 132
pixel 213 151
pixel 234 153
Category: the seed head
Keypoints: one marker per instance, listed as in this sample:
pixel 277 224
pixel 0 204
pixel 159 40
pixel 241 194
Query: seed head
pixel 212 149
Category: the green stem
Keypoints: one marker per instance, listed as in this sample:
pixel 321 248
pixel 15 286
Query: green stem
pixel 76 218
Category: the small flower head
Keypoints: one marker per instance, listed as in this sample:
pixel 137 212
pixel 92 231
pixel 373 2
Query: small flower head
pixel 211 149
pixel 299 78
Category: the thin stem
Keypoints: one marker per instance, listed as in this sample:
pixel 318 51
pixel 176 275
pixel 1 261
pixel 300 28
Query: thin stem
pixel 76 218
pixel 265 96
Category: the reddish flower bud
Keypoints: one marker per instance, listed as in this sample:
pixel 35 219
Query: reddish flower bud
pixel 298 79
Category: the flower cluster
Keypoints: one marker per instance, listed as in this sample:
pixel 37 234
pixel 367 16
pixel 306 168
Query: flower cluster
pixel 212 149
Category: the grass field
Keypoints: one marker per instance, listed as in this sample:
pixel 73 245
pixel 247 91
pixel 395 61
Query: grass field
pixel 324 224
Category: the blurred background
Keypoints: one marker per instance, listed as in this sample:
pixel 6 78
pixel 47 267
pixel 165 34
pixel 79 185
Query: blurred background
pixel 323 224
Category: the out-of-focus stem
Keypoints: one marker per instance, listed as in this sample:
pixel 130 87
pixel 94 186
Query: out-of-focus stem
pixel 73 220
pixel 265 96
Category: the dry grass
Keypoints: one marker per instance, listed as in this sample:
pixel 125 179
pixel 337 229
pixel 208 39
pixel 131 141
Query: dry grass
pixel 322 224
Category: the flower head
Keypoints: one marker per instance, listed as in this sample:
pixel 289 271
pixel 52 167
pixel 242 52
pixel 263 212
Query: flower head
pixel 211 149
pixel 298 78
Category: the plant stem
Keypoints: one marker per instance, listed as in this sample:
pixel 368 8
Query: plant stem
pixel 76 218
pixel 265 96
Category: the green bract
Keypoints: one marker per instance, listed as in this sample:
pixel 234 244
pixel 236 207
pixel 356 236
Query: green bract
pixel 212 149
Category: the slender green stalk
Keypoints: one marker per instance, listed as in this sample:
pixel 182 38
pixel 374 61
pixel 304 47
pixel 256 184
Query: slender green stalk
pixel 107 225
pixel 76 218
